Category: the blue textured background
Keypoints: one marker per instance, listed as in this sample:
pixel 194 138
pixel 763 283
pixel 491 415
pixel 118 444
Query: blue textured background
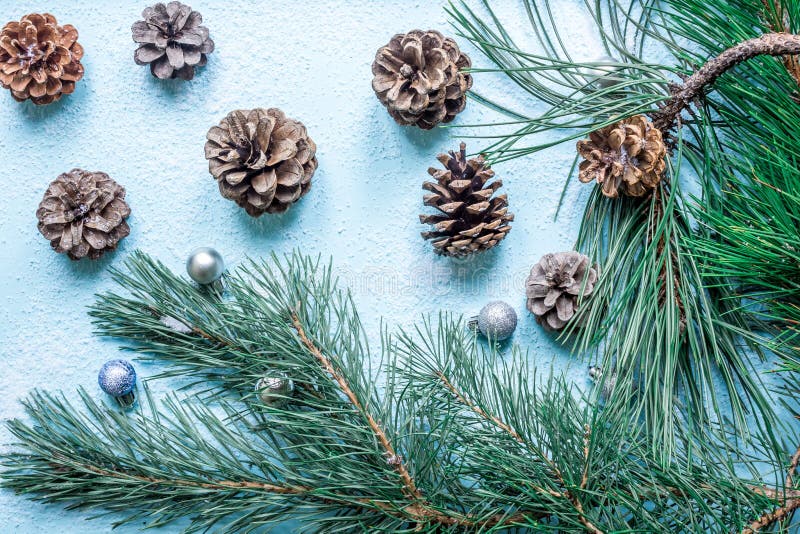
pixel 312 59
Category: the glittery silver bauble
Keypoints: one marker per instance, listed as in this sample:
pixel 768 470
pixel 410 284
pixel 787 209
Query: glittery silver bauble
pixel 608 383
pixel 497 320
pixel 118 379
pixel 274 390
pixel 604 73
pixel 205 265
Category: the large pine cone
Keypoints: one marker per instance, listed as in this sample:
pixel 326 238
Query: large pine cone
pixel 554 285
pixel 472 219
pixel 83 214
pixel 39 60
pixel 418 77
pixel 172 41
pixel 261 159
pixel 628 157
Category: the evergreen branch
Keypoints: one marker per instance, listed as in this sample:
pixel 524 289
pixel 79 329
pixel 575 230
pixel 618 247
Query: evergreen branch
pixel 410 486
pixel 657 316
pixel 251 465
pixel 477 409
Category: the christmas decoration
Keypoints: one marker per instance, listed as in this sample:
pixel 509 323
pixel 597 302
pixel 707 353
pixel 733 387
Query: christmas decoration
pixel 603 74
pixel 39 60
pixel 497 321
pixel 627 157
pixel 364 447
pixel 555 284
pixel 175 325
pixel 472 219
pixel 419 77
pixel 205 265
pixel 118 379
pixel 607 382
pixel 171 40
pixel 83 214
pixel 261 159
pixel 274 390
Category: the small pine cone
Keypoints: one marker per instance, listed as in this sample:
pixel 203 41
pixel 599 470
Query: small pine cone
pixel 171 40
pixel 418 77
pixel 261 159
pixel 472 220
pixel 83 214
pixel 554 285
pixel 628 157
pixel 39 60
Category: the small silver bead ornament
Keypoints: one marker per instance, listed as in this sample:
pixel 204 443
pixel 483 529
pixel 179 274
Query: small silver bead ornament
pixel 274 390
pixel 205 265
pixel 117 378
pixel 604 73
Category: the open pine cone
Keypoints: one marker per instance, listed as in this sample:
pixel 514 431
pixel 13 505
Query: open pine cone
pixel 418 77
pixel 83 214
pixel 554 285
pixel 261 159
pixel 471 219
pixel 627 157
pixel 172 41
pixel 39 60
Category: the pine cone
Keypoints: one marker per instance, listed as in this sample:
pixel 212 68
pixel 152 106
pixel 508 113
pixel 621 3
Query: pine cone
pixel 472 219
pixel 83 214
pixel 261 159
pixel 39 60
pixel 418 77
pixel 172 41
pixel 628 156
pixel 554 285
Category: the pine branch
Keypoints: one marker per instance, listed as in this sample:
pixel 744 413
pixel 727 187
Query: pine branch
pixel 231 463
pixel 657 315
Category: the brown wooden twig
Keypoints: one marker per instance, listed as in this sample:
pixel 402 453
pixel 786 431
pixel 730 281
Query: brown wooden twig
pixel 770 44
pixel 409 486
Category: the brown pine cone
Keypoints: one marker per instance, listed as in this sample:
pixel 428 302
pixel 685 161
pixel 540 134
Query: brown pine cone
pixel 261 159
pixel 628 157
pixel 172 41
pixel 39 60
pixel 472 220
pixel 418 77
pixel 83 214
pixel 554 285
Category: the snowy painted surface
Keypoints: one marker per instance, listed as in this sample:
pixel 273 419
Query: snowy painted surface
pixel 312 59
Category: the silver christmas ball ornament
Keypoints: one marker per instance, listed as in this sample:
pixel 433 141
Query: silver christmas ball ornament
pixel 274 390
pixel 118 379
pixel 497 321
pixel 205 265
pixel 603 73
pixel 608 382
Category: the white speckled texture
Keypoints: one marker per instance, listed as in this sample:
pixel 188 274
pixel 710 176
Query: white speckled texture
pixel 312 59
